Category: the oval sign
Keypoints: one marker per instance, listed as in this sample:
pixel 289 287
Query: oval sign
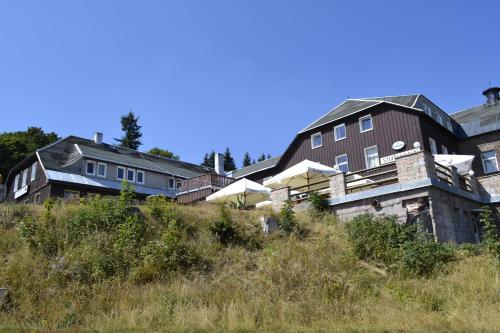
pixel 398 145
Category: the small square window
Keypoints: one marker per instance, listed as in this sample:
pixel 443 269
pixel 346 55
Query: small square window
pixel 342 163
pixel 101 169
pixel 340 132
pixel 365 124
pixel 140 177
pixel 316 140
pixel 490 163
pixel 90 168
pixel 120 173
pixel 171 183
pixel 131 175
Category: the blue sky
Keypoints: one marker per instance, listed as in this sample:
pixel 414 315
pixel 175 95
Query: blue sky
pixel 204 75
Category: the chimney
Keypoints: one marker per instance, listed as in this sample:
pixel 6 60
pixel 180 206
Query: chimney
pixel 98 138
pixel 219 163
pixel 492 95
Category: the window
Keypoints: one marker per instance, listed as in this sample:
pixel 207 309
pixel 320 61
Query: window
pixel 25 178
pixel 179 184
pixel 444 150
pixel 339 132
pixel 140 177
pixel 70 194
pixel 449 126
pixel 90 168
pixel 120 173
pixel 371 157
pixel 434 149
pixel 342 162
pixel 439 118
pixel 316 140
pixel 36 201
pixel 365 124
pixel 101 169
pixel 490 163
pixel 16 183
pixel 33 171
pixel 171 183
pixel 131 175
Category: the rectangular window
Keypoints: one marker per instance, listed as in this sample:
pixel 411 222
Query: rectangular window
pixel 25 178
pixel 171 183
pixel 179 184
pixel 33 171
pixel 90 168
pixel 131 175
pixel 316 140
pixel 340 132
pixel 434 149
pixel 342 163
pixel 444 150
pixel 120 173
pixel 70 194
pixel 140 177
pixel 449 126
pixel 490 163
pixel 365 124
pixel 16 183
pixel 439 118
pixel 101 169
pixel 371 157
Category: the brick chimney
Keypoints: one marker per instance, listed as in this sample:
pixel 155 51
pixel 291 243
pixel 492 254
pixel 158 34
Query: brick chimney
pixel 492 95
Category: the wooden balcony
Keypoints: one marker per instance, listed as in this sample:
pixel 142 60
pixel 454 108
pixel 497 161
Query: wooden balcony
pixel 198 188
pixel 370 178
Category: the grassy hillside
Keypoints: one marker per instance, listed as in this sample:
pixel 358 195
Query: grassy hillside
pixel 104 266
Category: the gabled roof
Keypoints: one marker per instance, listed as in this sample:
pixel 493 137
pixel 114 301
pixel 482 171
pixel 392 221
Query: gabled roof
pixel 63 153
pixel 351 106
pixel 479 119
pixel 266 164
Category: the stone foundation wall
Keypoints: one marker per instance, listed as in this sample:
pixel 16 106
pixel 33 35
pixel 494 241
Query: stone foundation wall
pixel 414 167
pixel 278 197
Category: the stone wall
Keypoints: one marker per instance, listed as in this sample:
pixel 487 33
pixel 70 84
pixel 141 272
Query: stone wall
pixel 337 185
pixel 278 197
pixel 489 185
pixel 414 167
pixel 478 144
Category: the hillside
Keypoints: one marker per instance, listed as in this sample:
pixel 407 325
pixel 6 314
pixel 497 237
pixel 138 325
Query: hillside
pixel 105 266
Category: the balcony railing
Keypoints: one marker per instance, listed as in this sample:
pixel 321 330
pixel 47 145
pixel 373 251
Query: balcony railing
pixel 370 178
pixel 444 173
pixel 203 182
pixel 464 183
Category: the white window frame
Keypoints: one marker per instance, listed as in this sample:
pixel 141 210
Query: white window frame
pixel 433 145
pixel 171 179
pixel 178 185
pixel 312 140
pixel 105 170
pixel 494 158
pixel 369 116
pixel 34 166
pixel 143 177
pixel 335 132
pixel 16 182
pixel 444 150
pixel 124 173
pixel 87 168
pixel 338 164
pixel 24 180
pixel 366 157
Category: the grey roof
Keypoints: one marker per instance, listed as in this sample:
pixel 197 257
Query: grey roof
pixel 479 119
pixel 351 106
pixel 62 154
pixel 266 164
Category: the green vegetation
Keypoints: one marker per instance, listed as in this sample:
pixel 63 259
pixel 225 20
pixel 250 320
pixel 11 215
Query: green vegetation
pixel 132 134
pixel 106 265
pixel 163 153
pixel 16 146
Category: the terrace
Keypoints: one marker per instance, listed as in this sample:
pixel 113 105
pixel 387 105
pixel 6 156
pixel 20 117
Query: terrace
pixel 198 188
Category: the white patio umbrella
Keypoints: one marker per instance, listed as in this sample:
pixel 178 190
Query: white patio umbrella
pixel 463 163
pixel 304 174
pixel 243 191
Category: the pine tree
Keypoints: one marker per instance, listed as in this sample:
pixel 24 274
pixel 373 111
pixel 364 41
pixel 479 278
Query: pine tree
pixel 268 156
pixel 262 158
pixel 132 132
pixel 228 161
pixel 247 160
pixel 209 160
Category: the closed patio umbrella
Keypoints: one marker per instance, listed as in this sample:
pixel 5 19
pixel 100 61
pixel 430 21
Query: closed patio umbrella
pixel 306 174
pixel 243 191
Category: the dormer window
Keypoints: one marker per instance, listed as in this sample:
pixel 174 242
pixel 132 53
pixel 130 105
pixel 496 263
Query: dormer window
pixel 140 177
pixel 90 168
pixel 316 140
pixel 131 175
pixel 171 183
pixel 365 124
pixel 102 169
pixel 120 173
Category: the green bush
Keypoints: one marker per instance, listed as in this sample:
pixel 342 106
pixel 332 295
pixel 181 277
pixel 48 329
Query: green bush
pixel 491 240
pixel 319 204
pixel 223 228
pixel 397 246
pixel 287 222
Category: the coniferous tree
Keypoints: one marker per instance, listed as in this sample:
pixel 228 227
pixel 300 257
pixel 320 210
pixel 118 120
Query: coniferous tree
pixel 268 156
pixel 163 153
pixel 132 132
pixel 229 164
pixel 247 160
pixel 209 160
pixel 262 158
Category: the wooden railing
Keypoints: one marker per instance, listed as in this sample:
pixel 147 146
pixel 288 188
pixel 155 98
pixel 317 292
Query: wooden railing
pixel 302 192
pixel 444 173
pixel 464 183
pixel 373 177
pixel 204 181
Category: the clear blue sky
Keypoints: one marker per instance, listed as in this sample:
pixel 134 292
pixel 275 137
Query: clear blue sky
pixel 204 75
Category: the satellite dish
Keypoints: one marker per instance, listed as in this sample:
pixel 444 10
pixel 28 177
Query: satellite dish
pixel 398 145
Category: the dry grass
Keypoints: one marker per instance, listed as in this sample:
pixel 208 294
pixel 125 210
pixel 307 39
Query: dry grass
pixel 289 285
